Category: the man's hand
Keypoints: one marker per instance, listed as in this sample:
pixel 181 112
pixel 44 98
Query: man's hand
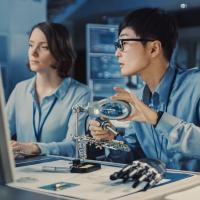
pixel 141 112
pixel 98 132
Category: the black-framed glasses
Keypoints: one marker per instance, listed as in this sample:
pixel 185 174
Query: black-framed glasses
pixel 119 44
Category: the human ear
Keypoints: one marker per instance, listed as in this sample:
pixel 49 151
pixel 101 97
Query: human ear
pixel 155 48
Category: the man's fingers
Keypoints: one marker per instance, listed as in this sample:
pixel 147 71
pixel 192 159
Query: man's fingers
pixel 94 123
pixel 95 128
pixel 97 133
pixel 101 137
pixel 119 90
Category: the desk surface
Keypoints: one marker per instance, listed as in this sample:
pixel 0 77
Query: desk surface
pixel 9 193
pixel 158 193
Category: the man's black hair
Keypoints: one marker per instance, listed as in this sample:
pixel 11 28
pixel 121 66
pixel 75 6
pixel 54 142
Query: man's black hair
pixel 153 23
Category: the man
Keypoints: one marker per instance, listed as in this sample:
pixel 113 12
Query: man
pixel 165 122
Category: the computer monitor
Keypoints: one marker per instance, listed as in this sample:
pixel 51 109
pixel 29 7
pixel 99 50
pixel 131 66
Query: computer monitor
pixel 6 156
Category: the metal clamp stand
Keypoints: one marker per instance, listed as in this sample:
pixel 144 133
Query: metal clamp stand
pixel 79 164
pixel 76 111
pixel 102 108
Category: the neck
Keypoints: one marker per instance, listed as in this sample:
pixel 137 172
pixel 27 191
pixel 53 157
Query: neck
pixel 154 74
pixel 46 84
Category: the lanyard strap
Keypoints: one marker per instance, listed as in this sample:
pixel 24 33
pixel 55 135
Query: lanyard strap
pixel 40 127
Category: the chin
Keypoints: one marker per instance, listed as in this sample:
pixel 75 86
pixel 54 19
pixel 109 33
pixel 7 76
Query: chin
pixel 34 68
pixel 125 73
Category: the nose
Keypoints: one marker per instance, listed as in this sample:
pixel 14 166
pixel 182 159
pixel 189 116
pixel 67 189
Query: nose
pixel 117 52
pixel 34 51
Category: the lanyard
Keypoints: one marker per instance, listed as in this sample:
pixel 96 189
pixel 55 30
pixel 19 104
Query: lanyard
pixel 40 125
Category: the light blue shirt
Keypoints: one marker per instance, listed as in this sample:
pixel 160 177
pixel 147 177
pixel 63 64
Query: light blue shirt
pixel 176 138
pixel 59 126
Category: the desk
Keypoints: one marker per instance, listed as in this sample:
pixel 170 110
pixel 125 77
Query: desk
pixel 157 193
pixel 9 193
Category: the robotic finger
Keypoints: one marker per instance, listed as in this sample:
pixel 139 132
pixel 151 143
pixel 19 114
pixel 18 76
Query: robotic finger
pixel 145 172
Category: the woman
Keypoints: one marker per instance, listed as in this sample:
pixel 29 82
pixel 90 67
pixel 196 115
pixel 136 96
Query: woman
pixel 40 109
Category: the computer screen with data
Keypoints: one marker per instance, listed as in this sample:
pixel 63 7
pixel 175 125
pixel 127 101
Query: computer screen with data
pixel 103 71
pixel 6 157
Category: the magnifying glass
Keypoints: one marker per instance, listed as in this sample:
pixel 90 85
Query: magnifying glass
pixel 109 109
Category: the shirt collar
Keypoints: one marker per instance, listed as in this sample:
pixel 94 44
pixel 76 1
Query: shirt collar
pixel 31 86
pixel 59 93
pixel 163 91
pixel 63 88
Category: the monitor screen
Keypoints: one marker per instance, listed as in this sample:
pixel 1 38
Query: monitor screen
pixel 102 38
pixel 6 156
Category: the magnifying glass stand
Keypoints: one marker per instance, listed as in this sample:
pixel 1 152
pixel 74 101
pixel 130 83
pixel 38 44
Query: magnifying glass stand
pixel 106 109
pixel 79 165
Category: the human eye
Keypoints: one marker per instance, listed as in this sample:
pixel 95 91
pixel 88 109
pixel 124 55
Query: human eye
pixel 124 43
pixel 45 47
pixel 30 45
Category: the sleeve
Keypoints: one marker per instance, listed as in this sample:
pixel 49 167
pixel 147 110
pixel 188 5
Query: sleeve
pixel 10 111
pixel 135 152
pixel 67 146
pixel 182 136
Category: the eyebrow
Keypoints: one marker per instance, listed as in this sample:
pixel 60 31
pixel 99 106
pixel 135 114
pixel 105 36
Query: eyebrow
pixel 124 34
pixel 31 41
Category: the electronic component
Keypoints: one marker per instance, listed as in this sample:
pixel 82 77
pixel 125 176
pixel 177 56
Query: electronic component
pixel 114 144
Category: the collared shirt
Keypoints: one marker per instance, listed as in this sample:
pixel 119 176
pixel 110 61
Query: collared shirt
pixel 59 127
pixel 176 138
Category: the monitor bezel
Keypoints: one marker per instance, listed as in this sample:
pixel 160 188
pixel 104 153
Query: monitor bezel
pixel 6 155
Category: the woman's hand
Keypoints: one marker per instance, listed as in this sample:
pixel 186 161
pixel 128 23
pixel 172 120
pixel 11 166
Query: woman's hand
pixel 98 132
pixel 26 148
pixel 141 112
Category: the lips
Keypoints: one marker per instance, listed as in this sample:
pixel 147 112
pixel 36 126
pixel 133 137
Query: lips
pixel 121 64
pixel 34 62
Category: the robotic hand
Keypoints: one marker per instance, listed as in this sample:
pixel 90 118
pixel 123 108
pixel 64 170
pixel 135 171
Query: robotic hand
pixel 146 171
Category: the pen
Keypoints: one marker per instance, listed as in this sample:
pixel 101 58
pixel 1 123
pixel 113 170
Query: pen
pixel 54 169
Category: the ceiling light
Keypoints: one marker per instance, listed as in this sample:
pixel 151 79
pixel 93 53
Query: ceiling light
pixel 183 5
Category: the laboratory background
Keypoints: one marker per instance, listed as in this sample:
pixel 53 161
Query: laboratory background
pixel 93 25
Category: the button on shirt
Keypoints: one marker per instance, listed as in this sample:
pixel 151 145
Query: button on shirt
pixel 59 126
pixel 176 138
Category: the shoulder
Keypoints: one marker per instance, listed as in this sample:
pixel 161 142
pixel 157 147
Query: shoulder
pixel 25 85
pixel 75 92
pixel 189 79
pixel 21 91
pixel 189 73
pixel 78 86
pixel 189 76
